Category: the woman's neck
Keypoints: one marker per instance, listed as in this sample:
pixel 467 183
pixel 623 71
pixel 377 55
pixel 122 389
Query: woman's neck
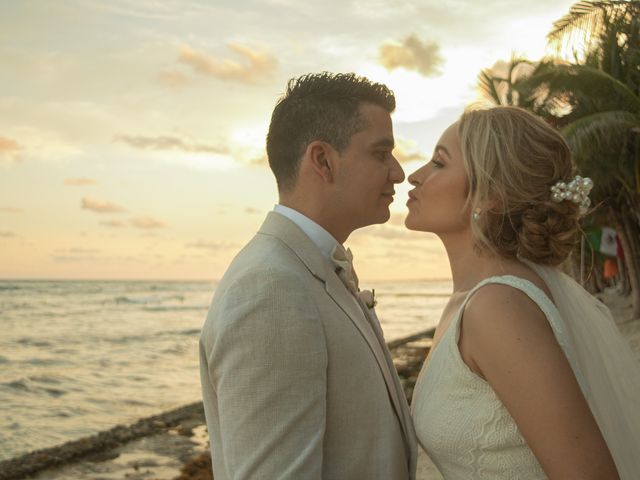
pixel 468 266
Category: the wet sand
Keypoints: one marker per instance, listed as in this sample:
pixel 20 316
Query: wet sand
pixel 174 445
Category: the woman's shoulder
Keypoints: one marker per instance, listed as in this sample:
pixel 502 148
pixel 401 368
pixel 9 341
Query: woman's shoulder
pixel 508 306
pixel 514 279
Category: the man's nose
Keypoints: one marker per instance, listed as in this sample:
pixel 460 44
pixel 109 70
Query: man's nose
pixel 397 173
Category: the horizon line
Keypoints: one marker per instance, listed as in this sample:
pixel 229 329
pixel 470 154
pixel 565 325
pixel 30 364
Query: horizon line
pixel 53 279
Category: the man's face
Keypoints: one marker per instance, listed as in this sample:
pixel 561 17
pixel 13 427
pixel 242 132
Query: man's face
pixel 368 170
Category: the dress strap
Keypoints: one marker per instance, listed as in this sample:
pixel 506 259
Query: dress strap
pixel 538 296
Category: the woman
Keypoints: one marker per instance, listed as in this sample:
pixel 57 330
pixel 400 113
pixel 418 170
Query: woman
pixel 515 385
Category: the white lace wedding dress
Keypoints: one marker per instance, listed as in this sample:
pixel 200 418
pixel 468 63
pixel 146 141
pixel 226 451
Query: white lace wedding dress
pixel 466 430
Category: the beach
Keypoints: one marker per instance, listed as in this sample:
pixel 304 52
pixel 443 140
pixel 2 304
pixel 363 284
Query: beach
pixel 173 445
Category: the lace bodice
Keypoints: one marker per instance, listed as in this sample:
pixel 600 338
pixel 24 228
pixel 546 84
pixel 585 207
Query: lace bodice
pixel 459 420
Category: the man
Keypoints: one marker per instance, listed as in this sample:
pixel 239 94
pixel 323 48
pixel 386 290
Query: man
pixel 297 381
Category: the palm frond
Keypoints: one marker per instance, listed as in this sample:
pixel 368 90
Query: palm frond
pixel 599 143
pixel 590 84
pixel 487 85
pixel 587 19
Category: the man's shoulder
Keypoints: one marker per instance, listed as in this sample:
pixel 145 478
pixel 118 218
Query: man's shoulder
pixel 265 263
pixel 265 276
pixel 264 255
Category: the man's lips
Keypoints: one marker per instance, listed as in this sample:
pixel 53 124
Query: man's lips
pixel 412 196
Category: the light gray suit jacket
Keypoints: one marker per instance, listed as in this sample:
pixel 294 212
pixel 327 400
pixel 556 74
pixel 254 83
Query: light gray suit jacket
pixel 297 381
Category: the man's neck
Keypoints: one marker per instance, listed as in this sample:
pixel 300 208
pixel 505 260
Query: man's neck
pixel 320 216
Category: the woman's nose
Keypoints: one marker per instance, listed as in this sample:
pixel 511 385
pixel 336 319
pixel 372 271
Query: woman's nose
pixel 413 178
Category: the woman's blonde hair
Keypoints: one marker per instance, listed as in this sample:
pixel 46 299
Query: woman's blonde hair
pixel 512 158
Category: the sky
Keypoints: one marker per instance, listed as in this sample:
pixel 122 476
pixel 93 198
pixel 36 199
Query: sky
pixel 132 132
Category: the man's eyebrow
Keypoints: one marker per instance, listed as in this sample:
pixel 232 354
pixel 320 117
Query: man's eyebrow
pixel 443 148
pixel 385 142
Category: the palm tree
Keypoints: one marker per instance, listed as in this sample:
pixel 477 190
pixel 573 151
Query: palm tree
pixel 602 127
pixel 596 105
pixel 609 33
pixel 602 104
pixel 499 82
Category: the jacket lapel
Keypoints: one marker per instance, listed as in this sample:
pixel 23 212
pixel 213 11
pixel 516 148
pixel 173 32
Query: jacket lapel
pixel 358 313
pixel 344 299
pixel 402 408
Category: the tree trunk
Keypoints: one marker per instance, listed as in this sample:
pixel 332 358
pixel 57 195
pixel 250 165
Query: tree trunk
pixel 630 241
pixel 624 270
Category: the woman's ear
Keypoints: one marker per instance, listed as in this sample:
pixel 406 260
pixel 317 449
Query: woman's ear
pixel 320 158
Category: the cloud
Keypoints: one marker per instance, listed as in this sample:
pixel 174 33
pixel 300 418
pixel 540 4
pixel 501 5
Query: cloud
pixel 253 67
pixel 10 210
pixel 259 161
pixel 166 142
pixel 76 251
pixel 397 219
pixel 173 79
pixel 10 152
pixel 114 223
pixel 77 182
pixel 213 246
pixel 147 223
pixel 99 206
pixel 406 151
pixel 7 234
pixel 412 54
pixel 28 143
pixel 391 232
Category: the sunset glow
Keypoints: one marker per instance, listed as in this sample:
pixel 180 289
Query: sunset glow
pixel 132 133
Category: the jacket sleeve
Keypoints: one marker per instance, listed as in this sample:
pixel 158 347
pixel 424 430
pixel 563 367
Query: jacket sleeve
pixel 268 366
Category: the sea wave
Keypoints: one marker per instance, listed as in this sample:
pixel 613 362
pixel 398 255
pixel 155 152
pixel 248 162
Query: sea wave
pixel 9 287
pixel 146 300
pixel 175 308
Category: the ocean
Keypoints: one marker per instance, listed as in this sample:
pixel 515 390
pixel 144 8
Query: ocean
pixel 78 357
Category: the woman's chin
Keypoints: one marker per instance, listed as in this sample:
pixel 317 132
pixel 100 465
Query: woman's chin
pixel 414 224
pixel 410 223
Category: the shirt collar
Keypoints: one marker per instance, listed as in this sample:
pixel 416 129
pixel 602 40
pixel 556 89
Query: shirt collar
pixel 318 235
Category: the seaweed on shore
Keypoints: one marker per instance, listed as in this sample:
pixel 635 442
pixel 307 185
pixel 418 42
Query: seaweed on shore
pixel 33 462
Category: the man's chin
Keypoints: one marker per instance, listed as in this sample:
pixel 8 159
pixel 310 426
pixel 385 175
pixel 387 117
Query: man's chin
pixel 383 216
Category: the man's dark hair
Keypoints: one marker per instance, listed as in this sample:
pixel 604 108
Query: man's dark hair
pixel 319 106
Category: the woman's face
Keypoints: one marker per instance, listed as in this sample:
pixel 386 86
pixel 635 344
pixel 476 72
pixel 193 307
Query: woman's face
pixel 436 203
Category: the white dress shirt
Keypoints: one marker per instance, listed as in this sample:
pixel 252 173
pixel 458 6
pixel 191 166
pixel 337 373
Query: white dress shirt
pixel 318 235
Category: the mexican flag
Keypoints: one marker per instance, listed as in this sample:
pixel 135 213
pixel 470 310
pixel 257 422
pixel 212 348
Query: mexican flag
pixel 604 240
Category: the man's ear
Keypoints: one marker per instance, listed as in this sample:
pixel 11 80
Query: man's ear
pixel 321 159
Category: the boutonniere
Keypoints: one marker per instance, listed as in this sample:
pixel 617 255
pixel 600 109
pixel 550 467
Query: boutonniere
pixel 368 297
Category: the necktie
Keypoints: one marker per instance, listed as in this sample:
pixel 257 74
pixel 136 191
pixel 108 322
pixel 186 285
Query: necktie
pixel 343 260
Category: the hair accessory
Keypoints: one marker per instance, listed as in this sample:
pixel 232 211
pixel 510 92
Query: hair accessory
pixel 576 190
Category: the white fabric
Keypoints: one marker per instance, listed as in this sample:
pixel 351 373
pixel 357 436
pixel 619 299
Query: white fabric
pixel 608 242
pixel 318 235
pixel 460 422
pixel 467 431
pixel 608 371
pixel 326 243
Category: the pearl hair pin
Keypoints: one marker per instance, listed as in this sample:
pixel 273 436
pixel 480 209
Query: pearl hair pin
pixel 576 190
